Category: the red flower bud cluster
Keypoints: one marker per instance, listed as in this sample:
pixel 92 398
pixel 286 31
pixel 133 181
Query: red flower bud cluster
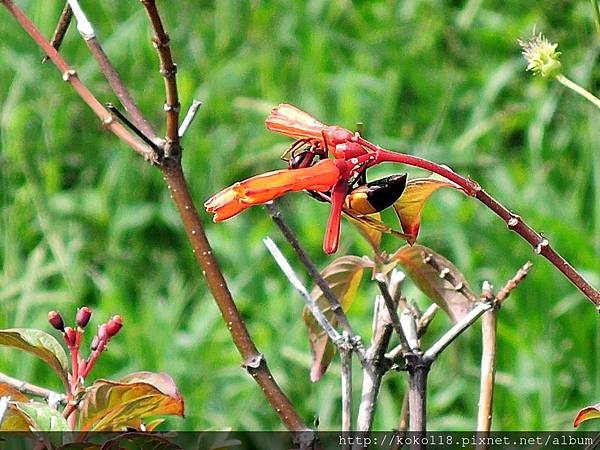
pixel 72 337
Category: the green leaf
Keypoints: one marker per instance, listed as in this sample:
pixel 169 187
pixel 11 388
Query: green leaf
pixel 33 416
pixel 587 413
pixel 40 344
pixel 112 405
pixel 343 276
pixel 410 204
pixel 455 299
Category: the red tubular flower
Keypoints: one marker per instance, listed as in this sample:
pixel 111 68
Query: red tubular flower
pixel 268 186
pixel 293 122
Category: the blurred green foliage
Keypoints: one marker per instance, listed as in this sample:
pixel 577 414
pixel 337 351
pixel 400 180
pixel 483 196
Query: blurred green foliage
pixel 84 221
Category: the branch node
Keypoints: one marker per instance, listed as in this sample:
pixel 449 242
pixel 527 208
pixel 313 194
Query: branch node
pixel 253 362
pixel 161 42
pixel 169 72
pixel 175 107
pixel 540 247
pixel 67 75
pixel 513 221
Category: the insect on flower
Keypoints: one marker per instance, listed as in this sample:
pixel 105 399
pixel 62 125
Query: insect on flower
pixel 340 180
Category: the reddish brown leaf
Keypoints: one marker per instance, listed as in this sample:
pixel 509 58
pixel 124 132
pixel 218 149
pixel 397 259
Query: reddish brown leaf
pixel 410 205
pixel 343 276
pixel 371 233
pixel 456 299
pixel 111 405
pixel 588 413
pixel 6 390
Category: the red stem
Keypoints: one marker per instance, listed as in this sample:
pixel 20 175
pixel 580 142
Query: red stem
pixel 540 244
pixel 92 359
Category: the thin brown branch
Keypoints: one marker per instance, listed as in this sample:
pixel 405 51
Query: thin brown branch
pixel 254 362
pixel 403 423
pixel 168 70
pixel 346 358
pixel 540 244
pixel 513 282
pixel 443 342
pixel 61 28
pixel 312 306
pixel 488 371
pixel 70 76
pixel 378 365
pixel 426 318
pixel 488 353
pixel 119 88
pixel 417 400
pixel 391 308
pixel 314 273
pixel 446 274
pixel 112 76
pixel 32 389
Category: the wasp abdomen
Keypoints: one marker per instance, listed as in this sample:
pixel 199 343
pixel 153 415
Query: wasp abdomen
pixel 376 195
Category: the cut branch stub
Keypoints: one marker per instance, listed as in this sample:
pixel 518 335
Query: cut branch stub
pixel 437 278
pixel 343 276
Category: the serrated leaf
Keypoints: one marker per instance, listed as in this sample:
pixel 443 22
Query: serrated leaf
pixel 587 413
pixel 140 441
pixel 6 390
pixel 40 344
pixel 112 405
pixel 33 416
pixel 343 276
pixel 456 300
pixel 410 204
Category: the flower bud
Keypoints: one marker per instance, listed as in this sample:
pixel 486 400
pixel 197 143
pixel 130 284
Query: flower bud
pixel 83 316
pixel 102 333
pixel 114 325
pixel 70 335
pixel 95 343
pixel 56 320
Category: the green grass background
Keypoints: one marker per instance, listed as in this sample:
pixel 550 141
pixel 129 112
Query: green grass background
pixel 84 221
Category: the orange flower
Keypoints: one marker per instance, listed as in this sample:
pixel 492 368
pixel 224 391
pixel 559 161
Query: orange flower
pixel 268 186
pixel 293 122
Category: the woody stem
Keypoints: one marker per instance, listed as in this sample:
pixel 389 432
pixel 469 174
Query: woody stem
pixel 540 244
